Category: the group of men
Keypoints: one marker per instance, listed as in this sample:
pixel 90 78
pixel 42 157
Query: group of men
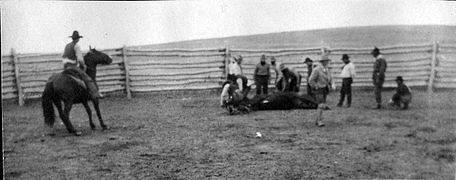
pixel 319 80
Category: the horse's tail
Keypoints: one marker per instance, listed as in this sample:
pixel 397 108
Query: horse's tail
pixel 46 103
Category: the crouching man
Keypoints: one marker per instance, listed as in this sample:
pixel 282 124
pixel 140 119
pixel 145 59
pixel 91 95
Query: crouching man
pixel 234 94
pixel 403 95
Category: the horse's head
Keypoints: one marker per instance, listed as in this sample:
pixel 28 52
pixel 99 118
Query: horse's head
pixel 97 57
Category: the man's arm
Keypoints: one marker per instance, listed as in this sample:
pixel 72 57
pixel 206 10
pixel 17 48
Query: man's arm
pixel 313 78
pixel 239 82
pixel 79 57
pixel 224 94
pixel 382 66
pixel 255 72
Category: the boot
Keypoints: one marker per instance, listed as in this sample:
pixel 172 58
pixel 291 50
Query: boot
pixel 378 106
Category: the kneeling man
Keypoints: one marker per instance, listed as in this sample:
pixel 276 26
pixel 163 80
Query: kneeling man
pixel 403 94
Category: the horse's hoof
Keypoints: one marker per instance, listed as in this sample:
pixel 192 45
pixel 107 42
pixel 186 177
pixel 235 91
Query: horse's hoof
pixel 105 128
pixel 78 133
pixel 92 127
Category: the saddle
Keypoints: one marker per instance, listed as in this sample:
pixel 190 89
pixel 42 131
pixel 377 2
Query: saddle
pixel 80 82
pixel 76 76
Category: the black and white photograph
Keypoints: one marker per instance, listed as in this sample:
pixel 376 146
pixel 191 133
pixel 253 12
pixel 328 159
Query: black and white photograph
pixel 219 89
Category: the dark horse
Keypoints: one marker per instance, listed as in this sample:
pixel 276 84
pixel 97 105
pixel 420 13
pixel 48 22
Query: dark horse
pixel 62 87
pixel 92 59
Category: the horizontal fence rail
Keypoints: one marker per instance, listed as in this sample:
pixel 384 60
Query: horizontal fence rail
pixel 136 70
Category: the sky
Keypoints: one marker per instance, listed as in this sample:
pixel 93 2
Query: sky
pixel 44 26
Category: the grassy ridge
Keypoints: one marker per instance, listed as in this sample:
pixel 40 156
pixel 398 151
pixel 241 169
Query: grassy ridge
pixel 366 36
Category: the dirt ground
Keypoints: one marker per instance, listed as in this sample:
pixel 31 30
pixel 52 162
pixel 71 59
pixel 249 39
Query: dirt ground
pixel 188 136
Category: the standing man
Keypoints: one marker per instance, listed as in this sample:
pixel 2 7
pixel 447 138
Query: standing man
pixel 378 76
pixel 347 74
pixel 279 82
pixel 261 76
pixel 321 80
pixel 309 63
pixel 72 59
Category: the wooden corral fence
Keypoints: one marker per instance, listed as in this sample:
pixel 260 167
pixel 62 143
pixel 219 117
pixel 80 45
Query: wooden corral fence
pixel 431 65
pixel 137 70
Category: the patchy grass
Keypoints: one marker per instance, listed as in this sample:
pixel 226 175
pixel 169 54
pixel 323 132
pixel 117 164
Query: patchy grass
pixel 187 136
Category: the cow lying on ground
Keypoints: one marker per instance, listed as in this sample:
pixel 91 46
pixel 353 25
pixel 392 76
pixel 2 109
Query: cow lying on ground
pixel 277 101
pixel 282 101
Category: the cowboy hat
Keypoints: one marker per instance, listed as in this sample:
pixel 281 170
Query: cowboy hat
pixel 375 51
pixel 238 58
pixel 273 59
pixel 75 35
pixel 399 78
pixel 307 60
pixel 324 57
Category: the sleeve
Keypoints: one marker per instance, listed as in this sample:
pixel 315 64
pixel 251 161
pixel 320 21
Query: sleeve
pixel 240 68
pixel 382 67
pixel 313 78
pixel 224 94
pixel 331 79
pixel 78 53
pixel 376 66
pixel 239 82
pixel 255 72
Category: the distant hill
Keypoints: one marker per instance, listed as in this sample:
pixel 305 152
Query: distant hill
pixel 366 36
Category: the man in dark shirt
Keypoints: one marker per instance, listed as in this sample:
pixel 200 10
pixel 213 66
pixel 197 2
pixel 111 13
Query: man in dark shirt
pixel 291 78
pixel 261 76
pixel 403 94
pixel 378 76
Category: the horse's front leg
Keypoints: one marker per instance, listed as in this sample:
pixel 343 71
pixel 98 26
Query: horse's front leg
pixel 89 113
pixel 66 119
pixel 97 109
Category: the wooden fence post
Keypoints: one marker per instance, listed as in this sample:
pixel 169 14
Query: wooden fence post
pixel 20 93
pixel 227 61
pixel 433 63
pixel 127 72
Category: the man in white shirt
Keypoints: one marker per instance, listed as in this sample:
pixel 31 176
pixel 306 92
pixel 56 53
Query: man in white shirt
pixel 234 68
pixel 347 74
pixel 279 82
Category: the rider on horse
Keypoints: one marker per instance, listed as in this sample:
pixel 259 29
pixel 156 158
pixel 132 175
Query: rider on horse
pixel 74 66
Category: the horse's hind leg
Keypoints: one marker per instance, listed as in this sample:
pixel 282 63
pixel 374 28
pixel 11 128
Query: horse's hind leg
pixel 97 109
pixel 89 113
pixel 58 105
pixel 66 119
